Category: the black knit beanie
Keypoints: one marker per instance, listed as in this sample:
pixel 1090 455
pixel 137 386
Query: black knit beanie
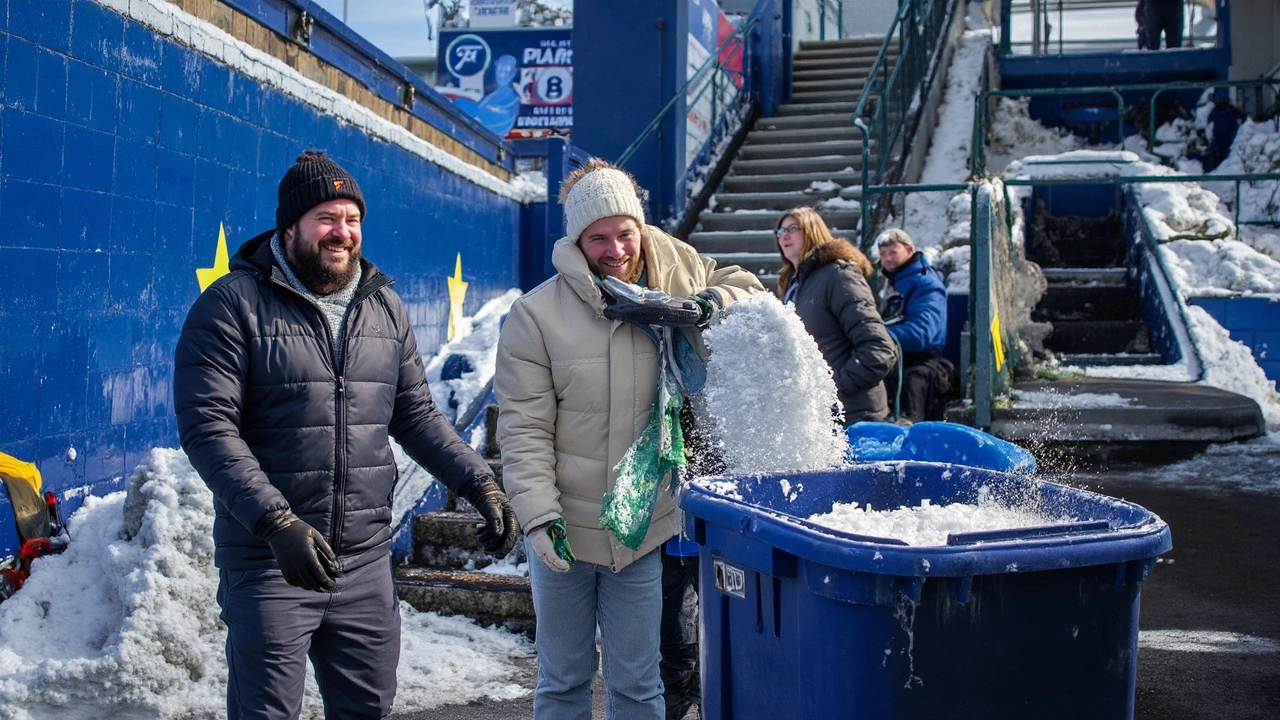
pixel 312 180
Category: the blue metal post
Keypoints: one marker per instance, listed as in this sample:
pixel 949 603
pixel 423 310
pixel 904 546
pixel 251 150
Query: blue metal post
pixel 629 60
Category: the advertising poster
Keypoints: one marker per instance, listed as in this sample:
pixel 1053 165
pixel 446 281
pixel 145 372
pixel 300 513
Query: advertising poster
pixel 517 82
pixel 709 28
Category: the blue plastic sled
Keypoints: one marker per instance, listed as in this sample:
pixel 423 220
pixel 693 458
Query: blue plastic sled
pixel 936 442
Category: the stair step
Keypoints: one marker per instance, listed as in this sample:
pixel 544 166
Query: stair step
pixel 488 598
pixel 848 133
pixel 860 64
pixel 806 122
pixel 828 148
pixel 1088 302
pixel 448 540
pixel 753 242
pixel 757 263
pixel 813 54
pixel 1086 276
pixel 848 84
pixel 832 73
pixel 789 182
pixel 858 43
pixel 774 166
pixel 816 108
pixel 775 201
pixel 844 219
pixel 1100 337
pixel 1119 359
pixel 826 96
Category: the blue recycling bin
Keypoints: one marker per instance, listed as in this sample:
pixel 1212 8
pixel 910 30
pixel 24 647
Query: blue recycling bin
pixel 801 621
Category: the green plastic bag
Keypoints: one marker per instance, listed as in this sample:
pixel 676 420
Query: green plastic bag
pixel 628 508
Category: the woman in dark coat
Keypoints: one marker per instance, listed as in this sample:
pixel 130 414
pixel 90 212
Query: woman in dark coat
pixel 826 279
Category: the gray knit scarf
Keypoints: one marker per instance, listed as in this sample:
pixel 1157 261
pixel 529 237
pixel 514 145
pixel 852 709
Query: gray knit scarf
pixel 334 305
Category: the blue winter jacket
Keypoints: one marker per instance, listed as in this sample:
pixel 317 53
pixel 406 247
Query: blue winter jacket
pixel 271 423
pixel 914 307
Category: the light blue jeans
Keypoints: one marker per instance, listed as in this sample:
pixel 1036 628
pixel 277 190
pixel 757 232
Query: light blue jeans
pixel 628 608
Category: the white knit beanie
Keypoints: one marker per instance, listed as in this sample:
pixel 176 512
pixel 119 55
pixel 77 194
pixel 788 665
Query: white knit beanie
pixel 600 194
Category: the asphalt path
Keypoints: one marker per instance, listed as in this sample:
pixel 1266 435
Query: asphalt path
pixel 1210 612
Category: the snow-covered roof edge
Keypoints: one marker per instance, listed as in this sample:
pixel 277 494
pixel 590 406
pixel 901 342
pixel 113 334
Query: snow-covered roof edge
pixel 170 21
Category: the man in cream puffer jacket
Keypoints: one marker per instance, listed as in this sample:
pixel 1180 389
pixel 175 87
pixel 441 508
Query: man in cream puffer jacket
pixel 575 389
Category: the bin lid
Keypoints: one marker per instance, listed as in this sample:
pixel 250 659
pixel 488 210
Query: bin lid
pixel 774 509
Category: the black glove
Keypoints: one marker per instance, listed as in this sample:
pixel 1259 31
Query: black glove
pixel 304 557
pixel 498 536
pixel 643 306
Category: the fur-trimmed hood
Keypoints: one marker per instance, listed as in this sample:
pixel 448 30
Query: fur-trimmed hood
pixel 837 249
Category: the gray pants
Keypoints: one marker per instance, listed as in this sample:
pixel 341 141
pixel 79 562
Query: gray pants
pixel 352 636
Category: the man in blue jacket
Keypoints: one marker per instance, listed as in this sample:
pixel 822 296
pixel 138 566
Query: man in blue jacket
pixel 913 304
pixel 291 374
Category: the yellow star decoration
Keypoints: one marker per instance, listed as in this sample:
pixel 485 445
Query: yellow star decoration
pixel 996 341
pixel 457 293
pixel 206 276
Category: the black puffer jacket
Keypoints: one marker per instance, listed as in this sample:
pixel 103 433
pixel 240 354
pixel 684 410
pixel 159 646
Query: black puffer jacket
pixel 837 308
pixel 270 424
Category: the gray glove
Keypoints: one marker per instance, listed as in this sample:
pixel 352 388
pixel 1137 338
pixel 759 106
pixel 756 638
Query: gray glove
pixel 643 306
pixel 305 559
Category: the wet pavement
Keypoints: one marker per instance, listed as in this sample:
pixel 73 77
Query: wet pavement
pixel 1210 618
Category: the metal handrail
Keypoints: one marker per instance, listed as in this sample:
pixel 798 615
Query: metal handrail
pixel 980 252
pixel 978 154
pixel 1188 85
pixel 712 61
pixel 822 19
pixel 917 39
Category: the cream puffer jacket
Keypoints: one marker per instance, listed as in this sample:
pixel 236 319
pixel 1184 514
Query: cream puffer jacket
pixel 575 390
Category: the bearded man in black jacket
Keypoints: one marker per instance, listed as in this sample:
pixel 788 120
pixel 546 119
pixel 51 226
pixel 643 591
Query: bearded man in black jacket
pixel 291 374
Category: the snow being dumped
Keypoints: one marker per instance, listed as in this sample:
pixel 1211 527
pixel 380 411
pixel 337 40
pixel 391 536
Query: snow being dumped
pixel 125 622
pixel 769 393
pixel 928 524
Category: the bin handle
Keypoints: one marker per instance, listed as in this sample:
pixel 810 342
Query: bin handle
pixel 1039 531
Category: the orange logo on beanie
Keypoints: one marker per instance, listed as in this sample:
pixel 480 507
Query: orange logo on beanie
pixel 337 184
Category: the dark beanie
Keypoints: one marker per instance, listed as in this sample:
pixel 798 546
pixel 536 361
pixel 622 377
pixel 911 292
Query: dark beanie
pixel 312 180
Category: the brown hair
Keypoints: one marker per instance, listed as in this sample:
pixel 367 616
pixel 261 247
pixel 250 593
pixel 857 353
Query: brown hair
pixel 587 168
pixel 815 233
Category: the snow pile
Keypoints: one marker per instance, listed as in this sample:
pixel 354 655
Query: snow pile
pixel 115 621
pixel 1256 149
pixel 471 358
pixel 769 393
pixel 1229 364
pixel 1222 268
pixel 128 626
pixel 1014 135
pixel 927 524
pixel 1042 399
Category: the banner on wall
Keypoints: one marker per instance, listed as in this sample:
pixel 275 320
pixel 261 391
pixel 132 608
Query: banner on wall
pixel 516 82
pixel 709 28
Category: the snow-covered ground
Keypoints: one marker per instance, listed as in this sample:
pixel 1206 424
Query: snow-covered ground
pixel 125 625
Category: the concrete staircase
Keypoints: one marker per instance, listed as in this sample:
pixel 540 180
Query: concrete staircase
pixel 808 154
pixel 1095 312
pixel 451 575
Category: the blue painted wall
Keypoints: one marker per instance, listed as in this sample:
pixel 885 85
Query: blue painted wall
pixel 121 154
pixel 1253 321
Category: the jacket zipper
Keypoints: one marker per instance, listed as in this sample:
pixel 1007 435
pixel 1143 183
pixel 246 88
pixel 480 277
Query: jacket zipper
pixel 340 406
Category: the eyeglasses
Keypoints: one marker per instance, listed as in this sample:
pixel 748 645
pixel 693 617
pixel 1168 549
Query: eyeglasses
pixel 787 230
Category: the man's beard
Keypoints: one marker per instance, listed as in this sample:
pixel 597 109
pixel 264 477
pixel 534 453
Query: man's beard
pixel 319 278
